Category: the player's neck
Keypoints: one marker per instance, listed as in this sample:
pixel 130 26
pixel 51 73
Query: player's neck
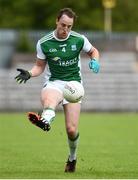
pixel 57 36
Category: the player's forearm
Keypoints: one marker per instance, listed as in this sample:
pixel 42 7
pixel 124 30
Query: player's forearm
pixel 38 68
pixel 36 71
pixel 94 54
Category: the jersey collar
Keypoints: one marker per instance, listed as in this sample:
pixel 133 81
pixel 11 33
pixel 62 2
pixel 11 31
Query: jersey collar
pixel 60 39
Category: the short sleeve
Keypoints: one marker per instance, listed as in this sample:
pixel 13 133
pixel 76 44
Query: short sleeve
pixel 40 53
pixel 87 45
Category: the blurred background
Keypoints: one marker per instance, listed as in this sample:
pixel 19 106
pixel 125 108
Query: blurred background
pixel 110 25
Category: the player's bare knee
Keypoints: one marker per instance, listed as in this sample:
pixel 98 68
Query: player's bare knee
pixel 71 131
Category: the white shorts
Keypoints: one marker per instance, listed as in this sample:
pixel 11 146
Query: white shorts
pixel 59 86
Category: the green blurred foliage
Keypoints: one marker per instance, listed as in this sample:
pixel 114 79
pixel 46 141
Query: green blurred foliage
pixel 41 14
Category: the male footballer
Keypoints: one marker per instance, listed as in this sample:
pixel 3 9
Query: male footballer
pixel 59 52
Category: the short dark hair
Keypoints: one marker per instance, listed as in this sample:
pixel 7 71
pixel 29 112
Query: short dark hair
pixel 67 11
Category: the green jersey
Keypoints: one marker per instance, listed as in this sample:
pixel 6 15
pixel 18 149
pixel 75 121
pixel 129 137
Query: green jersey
pixel 63 55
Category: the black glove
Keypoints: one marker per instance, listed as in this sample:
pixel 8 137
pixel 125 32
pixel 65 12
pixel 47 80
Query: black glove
pixel 23 76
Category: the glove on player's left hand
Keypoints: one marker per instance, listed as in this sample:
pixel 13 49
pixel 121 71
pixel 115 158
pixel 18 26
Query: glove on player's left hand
pixel 94 65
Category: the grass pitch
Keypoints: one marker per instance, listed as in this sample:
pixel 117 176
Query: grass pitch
pixel 108 147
